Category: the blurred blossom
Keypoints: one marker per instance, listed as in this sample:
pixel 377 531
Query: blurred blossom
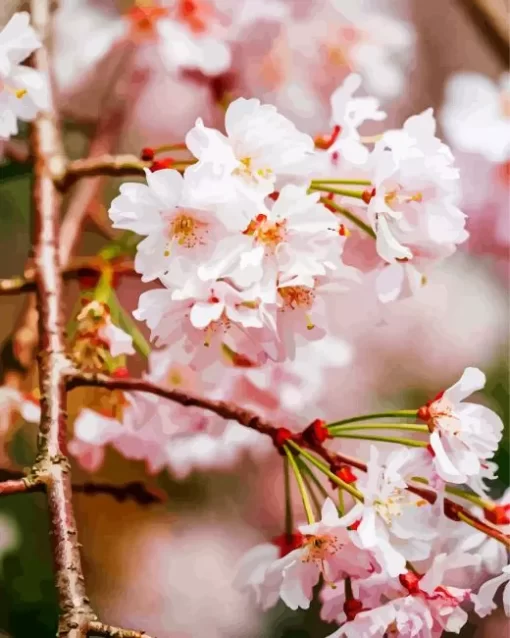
pixel 9 536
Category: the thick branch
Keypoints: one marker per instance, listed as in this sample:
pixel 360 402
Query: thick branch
pixel 490 17
pixel 51 463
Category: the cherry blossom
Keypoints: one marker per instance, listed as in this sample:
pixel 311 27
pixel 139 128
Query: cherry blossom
pixel 260 145
pixel 296 239
pixel 323 549
pixel 23 92
pixel 476 115
pixel 348 114
pixel 463 435
pixel 173 214
pixel 484 600
pixel 392 522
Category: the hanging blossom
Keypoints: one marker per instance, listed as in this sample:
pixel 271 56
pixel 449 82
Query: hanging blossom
pixel 419 606
pixel 394 523
pixel 291 566
pixel 23 92
pixel 463 436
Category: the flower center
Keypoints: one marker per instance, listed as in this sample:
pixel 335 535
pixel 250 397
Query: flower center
pixel 319 548
pixel 266 232
pixel 247 170
pixel 391 507
pixel 143 17
pixel 398 196
pixel 441 416
pixel 298 297
pixel 187 231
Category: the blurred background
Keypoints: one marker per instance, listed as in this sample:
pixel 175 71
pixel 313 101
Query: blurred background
pixel 168 568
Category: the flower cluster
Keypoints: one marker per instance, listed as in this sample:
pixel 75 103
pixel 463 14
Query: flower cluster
pixel 384 567
pixel 23 92
pixel 248 242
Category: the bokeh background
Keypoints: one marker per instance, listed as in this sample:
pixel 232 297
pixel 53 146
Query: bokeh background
pixel 168 568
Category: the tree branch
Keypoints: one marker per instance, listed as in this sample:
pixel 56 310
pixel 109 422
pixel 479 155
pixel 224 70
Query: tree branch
pixel 224 409
pixel 103 165
pixel 80 267
pixel 251 420
pixel 100 629
pixel 12 482
pixel 490 17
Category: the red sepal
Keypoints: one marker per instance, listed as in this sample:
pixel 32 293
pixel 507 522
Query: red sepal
pixel 316 433
pixel 352 608
pixel 498 515
pixel 287 543
pixel 410 581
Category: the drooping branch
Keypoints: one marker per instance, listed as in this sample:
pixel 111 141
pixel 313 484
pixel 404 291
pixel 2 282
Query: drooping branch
pixel 224 409
pixel 253 421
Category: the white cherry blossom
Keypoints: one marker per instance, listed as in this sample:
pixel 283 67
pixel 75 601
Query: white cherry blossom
pixel 463 435
pixel 295 238
pixel 260 146
pixel 349 113
pixel 23 92
pixel 392 522
pixel 175 215
pixel 476 115
pixel 326 551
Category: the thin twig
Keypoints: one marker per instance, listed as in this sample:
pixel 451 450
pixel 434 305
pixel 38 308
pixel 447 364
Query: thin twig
pixel 12 482
pixel 82 267
pixel 113 165
pixel 224 409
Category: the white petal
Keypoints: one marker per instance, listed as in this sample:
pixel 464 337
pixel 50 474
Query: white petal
pixel 472 379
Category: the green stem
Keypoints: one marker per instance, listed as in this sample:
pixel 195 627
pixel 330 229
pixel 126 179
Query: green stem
pixel 381 439
pixel 337 191
pixel 374 415
pixel 315 480
pixel 354 182
pixel 289 518
pixel 341 504
pixel 325 470
pixel 306 479
pixel 348 215
pixel 301 485
pixel 408 427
